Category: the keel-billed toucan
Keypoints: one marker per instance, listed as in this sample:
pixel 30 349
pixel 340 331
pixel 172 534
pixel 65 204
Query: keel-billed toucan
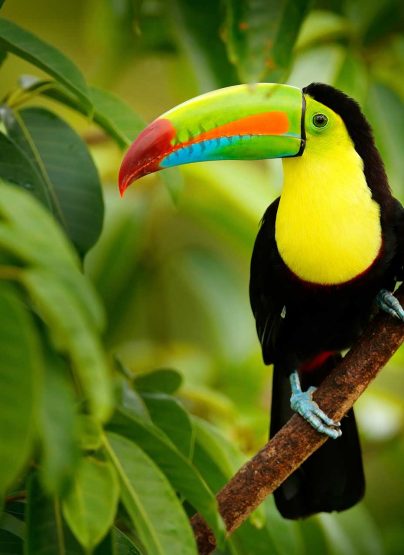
pixel 328 251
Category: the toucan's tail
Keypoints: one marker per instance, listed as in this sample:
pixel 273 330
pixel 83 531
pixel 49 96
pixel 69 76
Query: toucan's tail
pixel 332 478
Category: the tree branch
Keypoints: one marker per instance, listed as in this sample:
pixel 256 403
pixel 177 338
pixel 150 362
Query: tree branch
pixel 297 440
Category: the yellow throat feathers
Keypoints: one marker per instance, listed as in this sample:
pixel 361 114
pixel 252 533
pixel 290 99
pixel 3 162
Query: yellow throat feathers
pixel 327 226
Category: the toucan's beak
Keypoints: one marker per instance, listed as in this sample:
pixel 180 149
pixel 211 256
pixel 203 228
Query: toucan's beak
pixel 245 122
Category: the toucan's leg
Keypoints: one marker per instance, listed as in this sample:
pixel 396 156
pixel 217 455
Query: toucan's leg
pixel 387 302
pixel 302 403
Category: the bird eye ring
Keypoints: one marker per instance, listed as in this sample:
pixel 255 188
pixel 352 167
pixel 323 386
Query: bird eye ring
pixel 320 120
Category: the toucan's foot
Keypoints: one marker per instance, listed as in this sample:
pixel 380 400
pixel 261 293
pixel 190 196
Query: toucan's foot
pixel 387 302
pixel 302 403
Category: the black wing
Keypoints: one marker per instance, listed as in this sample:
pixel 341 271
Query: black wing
pixel 399 232
pixel 266 297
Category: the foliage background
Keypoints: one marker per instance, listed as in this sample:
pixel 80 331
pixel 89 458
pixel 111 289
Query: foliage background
pixel 171 266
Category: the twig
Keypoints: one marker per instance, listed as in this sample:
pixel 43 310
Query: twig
pixel 297 440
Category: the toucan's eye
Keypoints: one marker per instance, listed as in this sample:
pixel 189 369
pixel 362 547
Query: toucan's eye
pixel 320 120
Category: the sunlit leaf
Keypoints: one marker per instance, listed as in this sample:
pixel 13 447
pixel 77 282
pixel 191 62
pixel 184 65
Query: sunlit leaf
pixel 61 294
pixel 72 335
pixel 67 170
pixel 90 432
pixel 322 26
pixel 29 47
pixel 20 374
pixel 151 502
pixel 90 505
pixel 260 36
pixel 319 64
pixel 58 427
pixel 183 476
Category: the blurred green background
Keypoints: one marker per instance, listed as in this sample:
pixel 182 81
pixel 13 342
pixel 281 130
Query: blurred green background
pixel 172 264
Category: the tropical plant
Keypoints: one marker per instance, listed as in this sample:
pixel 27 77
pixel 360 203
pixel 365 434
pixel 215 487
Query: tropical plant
pixel 104 447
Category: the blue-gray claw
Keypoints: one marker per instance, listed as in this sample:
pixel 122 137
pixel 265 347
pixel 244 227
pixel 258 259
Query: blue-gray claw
pixel 302 403
pixel 388 303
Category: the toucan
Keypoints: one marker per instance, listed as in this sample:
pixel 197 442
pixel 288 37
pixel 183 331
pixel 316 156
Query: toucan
pixel 328 254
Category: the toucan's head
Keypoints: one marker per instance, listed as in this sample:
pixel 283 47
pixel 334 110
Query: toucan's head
pixel 249 122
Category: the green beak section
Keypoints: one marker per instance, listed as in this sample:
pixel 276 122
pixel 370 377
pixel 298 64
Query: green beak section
pixel 245 122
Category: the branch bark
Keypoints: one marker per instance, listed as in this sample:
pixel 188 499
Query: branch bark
pixel 297 440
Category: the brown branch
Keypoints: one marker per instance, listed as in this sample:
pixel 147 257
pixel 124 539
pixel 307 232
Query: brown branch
pixel 297 440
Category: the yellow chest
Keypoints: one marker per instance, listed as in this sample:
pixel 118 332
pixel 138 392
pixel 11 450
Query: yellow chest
pixel 327 226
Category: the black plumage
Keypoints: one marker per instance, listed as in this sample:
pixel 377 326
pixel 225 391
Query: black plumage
pixel 297 321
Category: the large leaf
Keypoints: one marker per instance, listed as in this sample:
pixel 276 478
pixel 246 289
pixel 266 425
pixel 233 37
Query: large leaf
pixel 198 28
pixel 29 47
pixel 89 507
pixel 171 417
pixel 47 534
pixel 60 292
pixel 110 112
pixel 152 504
pixel 58 427
pixel 72 335
pixel 216 459
pixel 67 170
pixel 260 36
pixel 16 167
pixel 182 474
pixel 20 368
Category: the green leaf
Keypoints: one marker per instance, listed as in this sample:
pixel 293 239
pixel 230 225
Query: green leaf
pixel 72 335
pixel 16 167
pixel 163 380
pixel 388 130
pixel 90 506
pixel 171 417
pixel 110 112
pixel 46 57
pixel 214 456
pixel 152 504
pixel 66 169
pixel 122 544
pixel 47 533
pixel 44 246
pixel 90 433
pixel 116 117
pixel 61 294
pixel 58 427
pixel 13 525
pixel 260 36
pixel 132 402
pixel 117 543
pixel 3 56
pixel 183 476
pixel 20 375
pixel 198 32
pixel 10 544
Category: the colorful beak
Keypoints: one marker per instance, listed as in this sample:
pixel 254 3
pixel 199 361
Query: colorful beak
pixel 244 122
